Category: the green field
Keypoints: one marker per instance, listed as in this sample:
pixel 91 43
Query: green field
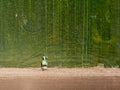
pixel 72 33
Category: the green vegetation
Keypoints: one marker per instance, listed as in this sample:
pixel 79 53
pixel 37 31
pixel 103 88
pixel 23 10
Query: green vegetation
pixel 73 33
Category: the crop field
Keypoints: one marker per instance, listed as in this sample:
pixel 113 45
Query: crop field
pixel 72 33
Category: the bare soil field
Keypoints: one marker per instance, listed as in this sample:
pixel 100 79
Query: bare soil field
pixel 60 79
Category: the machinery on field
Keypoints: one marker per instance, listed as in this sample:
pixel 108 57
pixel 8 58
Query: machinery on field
pixel 44 63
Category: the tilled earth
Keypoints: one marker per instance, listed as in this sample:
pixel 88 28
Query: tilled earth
pixel 60 79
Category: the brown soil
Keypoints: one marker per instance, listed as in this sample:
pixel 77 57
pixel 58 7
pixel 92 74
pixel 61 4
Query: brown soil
pixel 60 79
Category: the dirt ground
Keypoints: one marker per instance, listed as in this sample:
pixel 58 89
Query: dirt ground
pixel 60 79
